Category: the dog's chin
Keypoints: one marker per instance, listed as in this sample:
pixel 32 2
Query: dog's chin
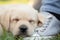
pixel 22 35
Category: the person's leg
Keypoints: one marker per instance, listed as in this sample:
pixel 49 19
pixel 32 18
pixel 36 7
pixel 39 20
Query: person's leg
pixel 50 6
pixel 56 15
pixel 51 10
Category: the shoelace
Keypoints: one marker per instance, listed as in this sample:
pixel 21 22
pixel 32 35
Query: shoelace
pixel 46 24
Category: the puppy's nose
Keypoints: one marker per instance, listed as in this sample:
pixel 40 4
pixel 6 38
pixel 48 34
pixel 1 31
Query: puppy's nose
pixel 23 28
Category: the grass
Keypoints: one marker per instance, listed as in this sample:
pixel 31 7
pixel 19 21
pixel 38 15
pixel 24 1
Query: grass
pixel 9 36
pixel 56 37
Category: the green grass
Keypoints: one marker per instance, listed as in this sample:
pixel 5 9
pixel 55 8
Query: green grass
pixel 9 36
pixel 56 37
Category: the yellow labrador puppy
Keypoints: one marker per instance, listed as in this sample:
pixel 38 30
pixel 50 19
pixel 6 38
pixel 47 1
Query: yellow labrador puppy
pixel 21 20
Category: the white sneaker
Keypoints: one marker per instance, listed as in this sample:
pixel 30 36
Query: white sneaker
pixel 51 25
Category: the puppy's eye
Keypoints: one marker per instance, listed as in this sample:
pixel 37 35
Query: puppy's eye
pixel 16 19
pixel 31 21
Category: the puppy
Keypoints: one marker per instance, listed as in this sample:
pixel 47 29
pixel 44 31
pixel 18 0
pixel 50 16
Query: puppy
pixel 21 20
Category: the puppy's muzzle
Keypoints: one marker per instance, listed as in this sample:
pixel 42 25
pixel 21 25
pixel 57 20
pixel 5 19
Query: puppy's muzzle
pixel 23 28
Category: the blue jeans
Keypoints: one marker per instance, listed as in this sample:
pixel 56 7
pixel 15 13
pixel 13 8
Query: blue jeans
pixel 51 5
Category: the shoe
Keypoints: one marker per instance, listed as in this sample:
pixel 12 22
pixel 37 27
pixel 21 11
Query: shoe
pixel 50 27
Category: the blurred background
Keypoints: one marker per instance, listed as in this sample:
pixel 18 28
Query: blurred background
pixel 14 1
pixel 34 3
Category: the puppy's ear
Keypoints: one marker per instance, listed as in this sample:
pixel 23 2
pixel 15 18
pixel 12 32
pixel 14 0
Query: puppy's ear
pixel 5 18
pixel 41 19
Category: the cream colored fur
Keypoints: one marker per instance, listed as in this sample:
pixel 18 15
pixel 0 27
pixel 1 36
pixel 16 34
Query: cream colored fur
pixel 13 16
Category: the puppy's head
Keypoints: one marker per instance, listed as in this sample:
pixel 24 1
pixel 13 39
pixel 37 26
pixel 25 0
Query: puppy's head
pixel 22 20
